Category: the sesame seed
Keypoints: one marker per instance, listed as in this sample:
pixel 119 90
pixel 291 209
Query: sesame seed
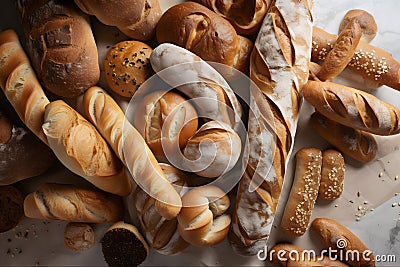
pixel 394 204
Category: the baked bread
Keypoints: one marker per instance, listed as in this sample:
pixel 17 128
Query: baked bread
pixel 61 45
pixel 353 108
pixel 22 154
pixel 79 146
pixel 78 236
pixel 135 18
pixel 11 207
pixel 72 203
pixel 332 175
pixel 337 237
pixel 123 245
pixel 304 192
pixel 127 66
pixel 366 21
pixel 279 74
pixel 371 62
pixel 132 149
pixel 199 30
pixel 357 144
pixel 245 16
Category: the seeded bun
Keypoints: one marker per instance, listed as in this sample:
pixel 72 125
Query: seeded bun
pixel 11 207
pixel 127 66
pixel 332 175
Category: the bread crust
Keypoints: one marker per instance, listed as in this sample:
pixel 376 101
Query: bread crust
pixel 365 19
pixel 332 175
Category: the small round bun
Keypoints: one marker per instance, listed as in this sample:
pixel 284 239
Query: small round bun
pixel 78 236
pixel 11 207
pixel 127 66
pixel 366 21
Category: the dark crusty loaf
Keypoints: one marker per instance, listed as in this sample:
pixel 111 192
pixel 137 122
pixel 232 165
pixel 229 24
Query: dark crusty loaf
pixel 11 207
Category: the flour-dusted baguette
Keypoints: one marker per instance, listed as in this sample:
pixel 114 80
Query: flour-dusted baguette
pixel 353 108
pixel 279 67
pixel 135 18
pixel 132 149
pixel 61 45
pixel 72 203
pixel 20 85
pixel 370 62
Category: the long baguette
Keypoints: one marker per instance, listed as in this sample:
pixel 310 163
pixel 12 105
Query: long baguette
pixel 132 149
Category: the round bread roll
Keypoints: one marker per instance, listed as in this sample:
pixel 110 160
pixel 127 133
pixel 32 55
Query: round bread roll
pixel 170 111
pixel 78 236
pixel 127 66
pixel 11 207
pixel 213 150
pixel 366 21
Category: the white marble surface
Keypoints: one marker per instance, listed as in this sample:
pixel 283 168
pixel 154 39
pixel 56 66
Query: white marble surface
pixel 378 229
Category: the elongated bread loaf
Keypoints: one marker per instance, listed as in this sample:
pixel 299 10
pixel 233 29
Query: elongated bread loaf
pixel 132 149
pixel 279 66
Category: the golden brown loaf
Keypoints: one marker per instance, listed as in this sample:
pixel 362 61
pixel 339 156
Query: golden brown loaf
pixel 245 16
pixel 78 236
pixel 353 108
pixel 20 85
pixel 342 52
pixel 366 21
pixel 132 149
pixel 357 144
pixel 279 72
pixel 199 30
pixel 11 207
pixel 127 66
pixel 338 237
pixel 371 62
pixel 72 203
pixel 332 175
pixel 135 18
pixel 61 45
pixel 304 192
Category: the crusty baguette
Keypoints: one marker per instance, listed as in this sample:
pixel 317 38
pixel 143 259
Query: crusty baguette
pixel 338 237
pixel 20 85
pixel 279 70
pixel 332 175
pixel 353 108
pixel 132 149
pixel 369 61
pixel 79 146
pixel 72 203
pixel 357 144
pixel 304 192
pixel 365 19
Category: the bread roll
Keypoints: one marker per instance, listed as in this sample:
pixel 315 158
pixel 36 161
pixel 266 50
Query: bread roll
pixel 11 207
pixel 132 149
pixel 72 203
pixel 214 150
pixel 279 74
pixel 135 18
pixel 199 30
pixel 165 112
pixel 366 21
pixel 353 108
pixel 245 16
pixel 332 175
pixel 304 192
pixel 338 237
pixel 371 62
pixel 127 66
pixel 61 45
pixel 202 221
pixel 357 144
pixel 342 52
pixel 78 236
pixel 22 154
pixel 79 146
pixel 123 245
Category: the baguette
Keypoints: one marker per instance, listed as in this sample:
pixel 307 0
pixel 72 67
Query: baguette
pixel 280 75
pixel 366 21
pixel 371 62
pixel 72 203
pixel 353 108
pixel 132 149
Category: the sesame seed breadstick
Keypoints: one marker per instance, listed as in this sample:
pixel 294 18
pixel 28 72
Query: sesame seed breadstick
pixel 332 176
pixel 304 192
pixel 371 62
